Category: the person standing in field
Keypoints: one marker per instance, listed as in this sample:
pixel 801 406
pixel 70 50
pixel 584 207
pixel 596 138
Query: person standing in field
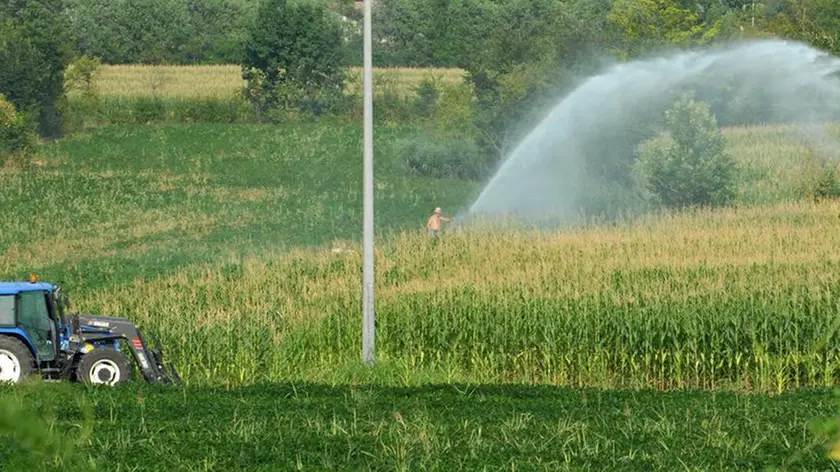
pixel 433 225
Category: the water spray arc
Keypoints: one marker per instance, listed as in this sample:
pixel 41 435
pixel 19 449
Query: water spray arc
pixel 559 167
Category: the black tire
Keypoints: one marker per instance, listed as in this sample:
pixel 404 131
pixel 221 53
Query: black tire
pixel 103 367
pixel 12 350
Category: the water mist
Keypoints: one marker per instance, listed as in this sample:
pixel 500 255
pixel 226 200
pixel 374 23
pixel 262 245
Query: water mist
pixel 583 143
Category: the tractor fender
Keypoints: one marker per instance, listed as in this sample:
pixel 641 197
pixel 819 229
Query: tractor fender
pixel 21 336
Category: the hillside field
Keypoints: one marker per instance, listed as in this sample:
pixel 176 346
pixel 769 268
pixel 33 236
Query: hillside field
pixel 238 246
pixel 181 227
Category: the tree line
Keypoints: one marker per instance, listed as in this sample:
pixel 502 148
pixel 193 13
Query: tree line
pixel 442 33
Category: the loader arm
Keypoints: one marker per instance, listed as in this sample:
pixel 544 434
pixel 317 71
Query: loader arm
pixel 99 329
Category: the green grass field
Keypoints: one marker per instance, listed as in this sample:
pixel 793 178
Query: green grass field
pixel 456 427
pixel 155 198
pixel 220 238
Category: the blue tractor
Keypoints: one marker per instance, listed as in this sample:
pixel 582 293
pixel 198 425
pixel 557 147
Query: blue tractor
pixel 39 337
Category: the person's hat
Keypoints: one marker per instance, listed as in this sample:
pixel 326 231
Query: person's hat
pixel 437 210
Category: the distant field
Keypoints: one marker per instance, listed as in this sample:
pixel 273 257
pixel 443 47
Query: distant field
pixel 223 81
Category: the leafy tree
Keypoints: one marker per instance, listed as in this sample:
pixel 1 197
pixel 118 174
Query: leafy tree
pixel 295 51
pixel 646 25
pixel 532 54
pixel 687 165
pixel 34 51
pixel 424 33
pixel 160 31
pixel 816 22
pixel 819 177
pixel 123 31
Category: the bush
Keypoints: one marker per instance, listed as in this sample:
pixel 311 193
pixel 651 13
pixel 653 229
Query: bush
pixel 84 105
pixel 17 133
pixel 819 179
pixel 8 114
pixel 149 109
pixel 687 164
pixel 428 94
pixel 211 110
pixel 454 115
pixel 429 155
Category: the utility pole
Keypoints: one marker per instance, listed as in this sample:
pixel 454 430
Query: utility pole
pixel 368 318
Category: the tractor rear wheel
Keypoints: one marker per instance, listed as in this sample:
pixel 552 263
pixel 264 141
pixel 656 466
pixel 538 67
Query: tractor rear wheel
pixel 103 367
pixel 16 362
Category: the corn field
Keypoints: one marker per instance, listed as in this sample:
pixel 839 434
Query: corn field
pixel 738 300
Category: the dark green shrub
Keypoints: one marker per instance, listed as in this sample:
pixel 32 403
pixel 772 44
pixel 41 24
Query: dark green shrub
pixel 428 93
pixel 818 179
pixel 34 51
pixel 454 114
pixel 209 110
pixel 429 155
pixel 18 135
pixel 390 104
pixel 687 164
pixel 149 109
pixel 20 138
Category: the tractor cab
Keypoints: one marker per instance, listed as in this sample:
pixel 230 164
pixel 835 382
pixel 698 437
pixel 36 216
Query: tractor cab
pixel 31 312
pixel 37 334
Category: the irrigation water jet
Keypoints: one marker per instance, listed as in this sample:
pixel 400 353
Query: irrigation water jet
pixel 579 156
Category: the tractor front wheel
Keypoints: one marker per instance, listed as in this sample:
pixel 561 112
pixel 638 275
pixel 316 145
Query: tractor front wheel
pixel 103 367
pixel 16 362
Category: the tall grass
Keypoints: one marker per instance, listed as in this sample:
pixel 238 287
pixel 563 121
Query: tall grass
pixel 742 299
pixel 135 201
pixel 169 81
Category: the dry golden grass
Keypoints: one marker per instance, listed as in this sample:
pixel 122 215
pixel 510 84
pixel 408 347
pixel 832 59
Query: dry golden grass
pixel 169 81
pixel 785 236
pixel 225 80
